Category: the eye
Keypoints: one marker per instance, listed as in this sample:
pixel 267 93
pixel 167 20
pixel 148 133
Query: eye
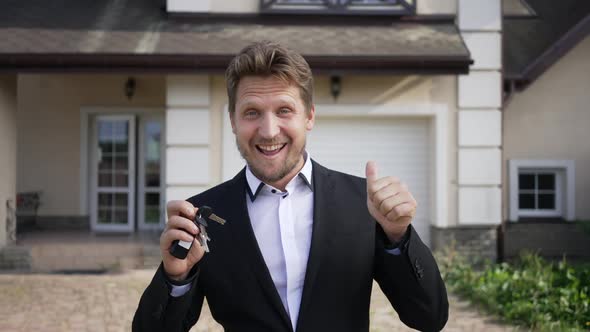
pixel 284 111
pixel 251 113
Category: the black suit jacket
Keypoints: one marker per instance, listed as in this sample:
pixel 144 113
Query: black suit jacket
pixel 347 253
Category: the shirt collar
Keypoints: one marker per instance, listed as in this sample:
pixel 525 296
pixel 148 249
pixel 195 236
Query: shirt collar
pixel 255 185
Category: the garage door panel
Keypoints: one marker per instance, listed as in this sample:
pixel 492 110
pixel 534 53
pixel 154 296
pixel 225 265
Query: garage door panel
pixel 401 147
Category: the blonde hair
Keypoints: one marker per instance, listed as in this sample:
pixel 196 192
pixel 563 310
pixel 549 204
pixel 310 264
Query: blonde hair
pixel 267 58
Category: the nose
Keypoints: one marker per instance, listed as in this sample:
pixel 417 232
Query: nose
pixel 269 127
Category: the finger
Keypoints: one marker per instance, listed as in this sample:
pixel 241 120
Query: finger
pixel 402 212
pixel 379 184
pixel 391 189
pixel 371 171
pixel 182 223
pixel 181 208
pixel 196 252
pixel 196 247
pixel 171 235
pixel 384 193
pixel 390 203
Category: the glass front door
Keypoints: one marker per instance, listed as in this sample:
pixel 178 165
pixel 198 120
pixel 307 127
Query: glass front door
pixel 113 198
pixel 150 205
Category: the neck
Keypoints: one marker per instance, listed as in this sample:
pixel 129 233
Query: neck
pixel 282 183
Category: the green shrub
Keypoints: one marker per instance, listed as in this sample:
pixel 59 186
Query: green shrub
pixel 532 292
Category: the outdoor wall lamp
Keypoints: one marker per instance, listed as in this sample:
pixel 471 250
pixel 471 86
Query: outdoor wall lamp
pixel 130 87
pixel 335 86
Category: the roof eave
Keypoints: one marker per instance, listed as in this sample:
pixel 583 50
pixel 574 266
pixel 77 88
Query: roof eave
pixel 188 63
pixel 541 64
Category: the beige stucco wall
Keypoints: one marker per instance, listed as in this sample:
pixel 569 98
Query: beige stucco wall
pixel 550 119
pixel 49 129
pixel 362 90
pixel 8 111
pixel 252 6
pixel 218 106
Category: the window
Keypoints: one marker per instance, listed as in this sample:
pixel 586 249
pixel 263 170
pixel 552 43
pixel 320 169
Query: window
pixel 374 7
pixel 541 188
pixel 538 193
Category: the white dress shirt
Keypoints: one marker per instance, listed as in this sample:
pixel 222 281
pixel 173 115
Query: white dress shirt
pixel 282 222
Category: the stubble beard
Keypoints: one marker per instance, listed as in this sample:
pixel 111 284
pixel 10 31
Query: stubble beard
pixel 287 167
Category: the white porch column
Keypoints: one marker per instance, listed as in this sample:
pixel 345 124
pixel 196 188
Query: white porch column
pixel 187 136
pixel 480 117
pixel 8 107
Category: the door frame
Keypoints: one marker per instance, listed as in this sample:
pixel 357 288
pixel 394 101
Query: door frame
pixel 141 189
pixel 130 190
pixel 86 113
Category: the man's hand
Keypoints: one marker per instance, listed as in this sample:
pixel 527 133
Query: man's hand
pixel 389 202
pixel 180 226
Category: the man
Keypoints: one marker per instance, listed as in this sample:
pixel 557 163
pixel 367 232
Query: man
pixel 302 243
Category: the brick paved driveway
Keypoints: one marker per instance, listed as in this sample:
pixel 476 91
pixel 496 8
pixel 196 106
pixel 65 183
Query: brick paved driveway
pixel 49 302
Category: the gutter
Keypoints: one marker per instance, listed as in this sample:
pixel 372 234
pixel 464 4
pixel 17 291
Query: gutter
pixel 211 63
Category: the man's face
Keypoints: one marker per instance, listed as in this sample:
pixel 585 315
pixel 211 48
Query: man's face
pixel 270 123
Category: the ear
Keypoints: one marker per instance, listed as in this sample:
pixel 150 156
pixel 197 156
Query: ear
pixel 232 120
pixel 309 122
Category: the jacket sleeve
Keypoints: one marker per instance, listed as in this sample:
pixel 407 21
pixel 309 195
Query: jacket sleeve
pixel 412 283
pixel 159 311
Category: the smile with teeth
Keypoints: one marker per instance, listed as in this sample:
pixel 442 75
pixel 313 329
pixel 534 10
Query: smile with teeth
pixel 270 149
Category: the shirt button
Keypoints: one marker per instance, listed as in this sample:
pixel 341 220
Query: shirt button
pixel 273 191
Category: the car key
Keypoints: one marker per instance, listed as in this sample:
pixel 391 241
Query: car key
pixel 207 213
pixel 203 237
pixel 180 249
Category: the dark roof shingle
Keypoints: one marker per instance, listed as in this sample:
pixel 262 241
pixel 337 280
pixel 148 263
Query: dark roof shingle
pixel 527 39
pixel 136 27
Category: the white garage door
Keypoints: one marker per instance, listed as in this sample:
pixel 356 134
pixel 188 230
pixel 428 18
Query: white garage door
pixel 401 148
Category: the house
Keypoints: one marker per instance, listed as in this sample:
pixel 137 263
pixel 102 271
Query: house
pixel 546 154
pixel 110 109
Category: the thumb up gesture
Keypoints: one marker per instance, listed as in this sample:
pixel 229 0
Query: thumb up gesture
pixel 390 202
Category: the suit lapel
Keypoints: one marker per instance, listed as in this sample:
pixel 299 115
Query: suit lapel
pixel 246 244
pixel 323 203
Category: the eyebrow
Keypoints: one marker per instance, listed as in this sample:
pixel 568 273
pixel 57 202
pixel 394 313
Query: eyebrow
pixel 254 104
pixel 247 105
pixel 287 103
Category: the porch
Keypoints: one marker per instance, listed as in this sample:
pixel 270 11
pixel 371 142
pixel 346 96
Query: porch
pixel 81 251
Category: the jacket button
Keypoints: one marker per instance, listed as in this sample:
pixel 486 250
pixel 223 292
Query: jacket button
pixel 419 273
pixel 418 269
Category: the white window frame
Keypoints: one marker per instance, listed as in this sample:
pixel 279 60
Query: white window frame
pixel 564 171
pixel 555 212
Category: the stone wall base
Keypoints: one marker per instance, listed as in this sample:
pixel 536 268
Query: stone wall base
pixel 27 223
pixel 15 258
pixel 552 239
pixel 475 242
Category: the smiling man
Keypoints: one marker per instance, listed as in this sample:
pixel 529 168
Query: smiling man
pixel 302 243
